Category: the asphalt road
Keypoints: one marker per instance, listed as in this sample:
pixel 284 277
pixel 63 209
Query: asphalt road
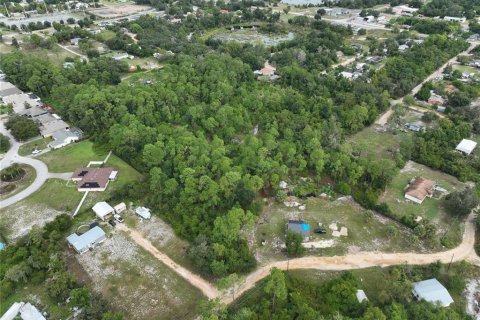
pixel 41 168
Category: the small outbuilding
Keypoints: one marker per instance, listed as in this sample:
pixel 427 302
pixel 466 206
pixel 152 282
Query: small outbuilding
pixel 120 207
pixel 418 189
pixel 103 210
pixel 466 146
pixel 143 212
pixel 361 296
pixel 432 291
pixel 89 240
pixel 300 227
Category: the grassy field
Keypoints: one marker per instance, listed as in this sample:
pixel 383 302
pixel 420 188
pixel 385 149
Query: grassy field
pixel 105 35
pixel 38 144
pixel 431 207
pixel 27 179
pixel 467 69
pixel 363 233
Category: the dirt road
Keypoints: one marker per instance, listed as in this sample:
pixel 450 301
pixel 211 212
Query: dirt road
pixel 465 251
pixel 206 287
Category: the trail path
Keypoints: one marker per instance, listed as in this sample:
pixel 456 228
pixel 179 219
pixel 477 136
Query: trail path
pixel 206 287
pixel 465 251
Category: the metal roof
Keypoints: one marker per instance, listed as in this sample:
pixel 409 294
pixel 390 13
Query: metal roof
pixel 300 227
pixel 466 146
pixel 432 291
pixel 82 242
pixel 101 209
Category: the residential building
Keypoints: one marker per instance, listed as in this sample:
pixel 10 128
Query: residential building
pixel 103 210
pixel 455 19
pixel 87 241
pixel 22 311
pixel 436 100
pixel 92 179
pixel 300 227
pixel 50 125
pixel 120 207
pixel 268 71
pixel 432 291
pixel 62 138
pixel 418 189
pixel 120 56
pixel 466 146
pixel 8 89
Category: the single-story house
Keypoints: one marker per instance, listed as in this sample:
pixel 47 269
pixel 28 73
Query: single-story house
pixel 20 102
pixel 418 189
pixel 143 212
pixel 455 19
pixel 414 127
pixel 88 240
pixel 466 146
pixel 361 296
pixel 300 227
pixel 62 138
pixel 103 210
pixel 49 126
pixel 120 207
pixel 23 311
pixel 267 71
pixel 432 291
pixel 8 89
pixel 436 100
pixel 92 179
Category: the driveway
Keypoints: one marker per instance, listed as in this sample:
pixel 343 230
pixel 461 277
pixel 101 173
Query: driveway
pixel 41 168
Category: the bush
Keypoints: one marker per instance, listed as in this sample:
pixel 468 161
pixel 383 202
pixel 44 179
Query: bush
pixel 12 173
pixel 4 144
pixel 461 202
pixel 293 243
pixel 344 188
pixel 22 128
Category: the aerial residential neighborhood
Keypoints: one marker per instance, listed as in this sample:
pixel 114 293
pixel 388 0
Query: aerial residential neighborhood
pixel 227 160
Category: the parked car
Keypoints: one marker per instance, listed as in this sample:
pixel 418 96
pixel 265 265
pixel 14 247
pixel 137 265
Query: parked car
pixel 320 231
pixel 118 217
pixel 36 151
pixel 112 223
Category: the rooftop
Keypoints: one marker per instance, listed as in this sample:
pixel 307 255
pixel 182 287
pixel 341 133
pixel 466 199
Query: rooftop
pixel 432 291
pixel 48 128
pixel 92 177
pixel 466 146
pixel 299 226
pixel 80 242
pixel 420 188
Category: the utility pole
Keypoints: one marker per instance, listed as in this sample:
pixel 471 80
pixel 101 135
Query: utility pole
pixel 451 260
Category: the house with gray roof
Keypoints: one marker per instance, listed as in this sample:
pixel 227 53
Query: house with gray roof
pixel 432 291
pixel 62 138
pixel 49 126
pixel 86 241
pixel 300 227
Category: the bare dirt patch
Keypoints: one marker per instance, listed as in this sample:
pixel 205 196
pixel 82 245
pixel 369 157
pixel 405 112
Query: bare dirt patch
pixel 118 11
pixel 136 283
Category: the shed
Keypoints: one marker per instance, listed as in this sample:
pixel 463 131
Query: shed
pixel 143 212
pixel 361 296
pixel 103 210
pixel 113 176
pixel 300 227
pixel 466 146
pixel 90 239
pixel 432 291
pixel 120 207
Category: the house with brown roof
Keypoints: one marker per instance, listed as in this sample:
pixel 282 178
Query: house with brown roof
pixel 92 179
pixel 418 189
pixel 436 100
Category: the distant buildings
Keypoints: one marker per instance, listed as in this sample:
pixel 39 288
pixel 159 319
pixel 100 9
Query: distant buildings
pixel 455 19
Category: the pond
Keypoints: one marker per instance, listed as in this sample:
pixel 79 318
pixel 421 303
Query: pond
pixel 254 37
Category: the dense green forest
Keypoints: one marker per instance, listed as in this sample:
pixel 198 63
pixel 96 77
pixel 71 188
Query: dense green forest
pixel 289 295
pixel 210 138
pixel 455 8
pixel 37 260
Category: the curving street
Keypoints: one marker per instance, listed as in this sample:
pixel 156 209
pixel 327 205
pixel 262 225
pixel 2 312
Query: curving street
pixel 41 168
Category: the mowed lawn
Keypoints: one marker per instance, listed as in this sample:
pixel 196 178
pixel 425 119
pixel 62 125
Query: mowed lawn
pixel 432 208
pixel 363 233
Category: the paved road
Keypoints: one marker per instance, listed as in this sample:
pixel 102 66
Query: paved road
pixel 41 168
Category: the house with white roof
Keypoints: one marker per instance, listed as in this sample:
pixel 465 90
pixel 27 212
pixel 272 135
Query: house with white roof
pixel 23 311
pixel 432 291
pixel 86 241
pixel 466 146
pixel 103 210
pixel 62 138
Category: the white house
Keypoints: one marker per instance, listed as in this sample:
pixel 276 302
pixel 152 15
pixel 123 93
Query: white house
pixel 466 146
pixel 62 138
pixel 103 210
pixel 120 207
pixel 455 19
pixel 89 240
pixel 432 291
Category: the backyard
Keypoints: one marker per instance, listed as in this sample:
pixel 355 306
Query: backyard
pixel 366 232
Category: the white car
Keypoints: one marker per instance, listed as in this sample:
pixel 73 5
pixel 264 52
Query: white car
pixel 36 151
pixel 118 217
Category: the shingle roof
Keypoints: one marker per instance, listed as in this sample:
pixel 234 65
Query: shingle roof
pixel 420 188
